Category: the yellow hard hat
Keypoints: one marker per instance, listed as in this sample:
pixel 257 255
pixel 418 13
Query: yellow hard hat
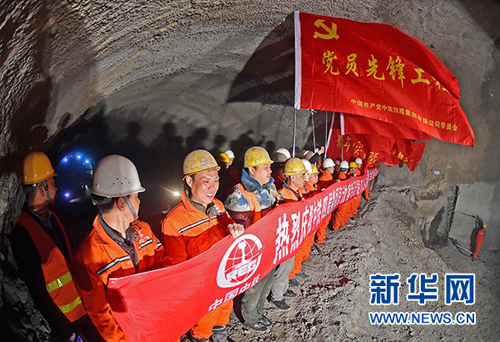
pixel 315 169
pixel 199 161
pixel 256 156
pixel 37 168
pixel 294 166
pixel 353 164
pixel 223 158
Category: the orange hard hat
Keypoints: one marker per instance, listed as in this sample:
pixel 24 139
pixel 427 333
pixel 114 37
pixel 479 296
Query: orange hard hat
pixel 37 168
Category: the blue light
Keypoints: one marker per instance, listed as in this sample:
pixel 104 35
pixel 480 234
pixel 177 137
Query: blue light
pixel 66 194
pixel 78 156
pixel 86 161
pixel 65 160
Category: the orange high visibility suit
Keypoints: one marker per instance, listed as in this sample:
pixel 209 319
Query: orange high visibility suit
pixel 325 180
pixel 188 231
pixel 343 212
pixel 99 258
pixel 479 242
pixel 307 244
pixel 58 279
pixel 356 201
pixel 44 256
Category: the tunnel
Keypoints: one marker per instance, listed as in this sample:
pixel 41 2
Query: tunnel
pixel 154 80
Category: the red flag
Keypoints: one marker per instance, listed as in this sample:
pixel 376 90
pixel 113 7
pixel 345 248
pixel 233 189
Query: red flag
pixel 357 124
pixel 377 71
pixel 373 148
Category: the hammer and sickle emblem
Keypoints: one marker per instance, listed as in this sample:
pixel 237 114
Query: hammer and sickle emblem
pixel 331 32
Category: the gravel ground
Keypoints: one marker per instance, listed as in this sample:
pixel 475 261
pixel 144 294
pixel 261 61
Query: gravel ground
pixel 333 304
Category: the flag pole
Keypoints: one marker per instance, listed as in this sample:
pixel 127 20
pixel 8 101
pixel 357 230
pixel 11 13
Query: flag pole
pixel 326 128
pixel 314 134
pixel 342 134
pixel 294 130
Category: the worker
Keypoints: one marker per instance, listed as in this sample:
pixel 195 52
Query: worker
pixel 230 155
pixel 295 177
pixel 226 181
pixel 343 212
pixel 359 163
pixel 42 251
pixel 478 241
pixel 356 200
pixel 233 171
pixel 248 202
pixel 119 245
pixel 305 248
pixel 311 178
pixel 280 157
pixel 336 169
pixel 194 225
pixel 353 170
pixel 311 186
pixel 326 176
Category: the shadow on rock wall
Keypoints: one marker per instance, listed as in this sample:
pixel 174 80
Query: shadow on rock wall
pixel 268 76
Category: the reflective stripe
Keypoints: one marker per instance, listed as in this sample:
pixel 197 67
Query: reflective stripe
pixel 193 225
pixel 68 307
pixel 111 264
pixel 145 243
pixel 59 282
pixel 158 244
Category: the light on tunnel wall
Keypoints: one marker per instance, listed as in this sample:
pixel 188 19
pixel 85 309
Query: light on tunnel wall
pixel 74 178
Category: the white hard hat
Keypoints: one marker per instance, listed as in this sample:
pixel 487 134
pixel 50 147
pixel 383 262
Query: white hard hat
pixel 344 165
pixel 116 176
pixel 230 154
pixel 281 155
pixel 328 163
pixel 307 165
pixel 359 161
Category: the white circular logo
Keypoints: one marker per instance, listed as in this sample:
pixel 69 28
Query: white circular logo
pixel 240 261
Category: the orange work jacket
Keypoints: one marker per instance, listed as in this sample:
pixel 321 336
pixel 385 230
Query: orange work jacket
pixel 56 271
pixel 342 176
pixel 188 231
pixel 358 173
pixel 325 180
pixel 289 195
pixel 255 214
pixel 99 258
pixel 311 188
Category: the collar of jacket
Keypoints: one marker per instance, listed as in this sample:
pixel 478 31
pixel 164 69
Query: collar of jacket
pixel 103 238
pixel 296 193
pixel 251 184
pixel 193 206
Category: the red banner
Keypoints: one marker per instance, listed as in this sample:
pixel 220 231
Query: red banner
pixel 162 305
pixel 377 71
